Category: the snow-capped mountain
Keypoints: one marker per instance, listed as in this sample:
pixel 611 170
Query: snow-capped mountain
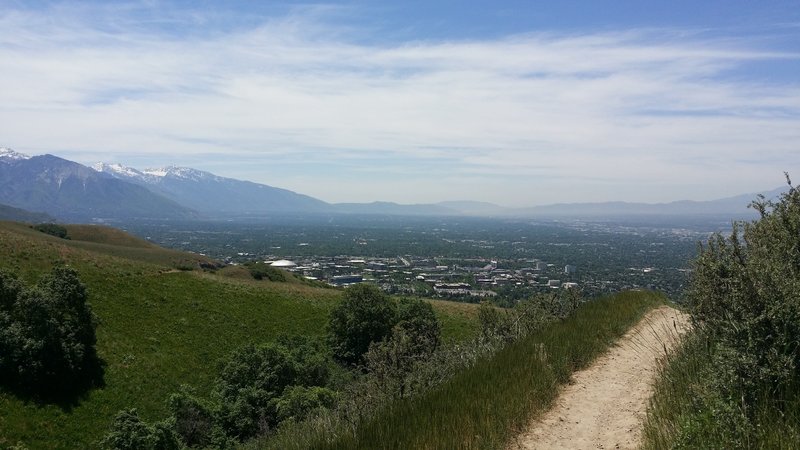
pixel 117 170
pixel 7 154
pixel 71 191
pixel 155 175
pixel 212 194
pixel 183 173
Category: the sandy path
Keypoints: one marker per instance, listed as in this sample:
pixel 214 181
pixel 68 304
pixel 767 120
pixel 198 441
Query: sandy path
pixel 604 405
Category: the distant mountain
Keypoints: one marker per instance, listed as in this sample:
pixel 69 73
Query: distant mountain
pixel 389 208
pixel 70 191
pixel 473 208
pixel 736 207
pixel 212 194
pixel 21 215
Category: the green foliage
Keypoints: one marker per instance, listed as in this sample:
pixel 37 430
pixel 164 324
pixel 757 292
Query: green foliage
pixel 484 404
pixel 494 322
pixel 52 229
pixel 194 417
pixel 416 319
pixel 261 271
pixel 249 382
pixel 298 401
pixel 736 382
pixel 747 297
pixel 129 432
pixel 365 315
pixel 395 333
pixel 159 329
pixel 47 334
pixel 258 387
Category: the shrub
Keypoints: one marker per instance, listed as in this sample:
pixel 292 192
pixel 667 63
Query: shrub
pixel 194 418
pixel 365 315
pixel 129 432
pixel 746 295
pixel 248 383
pixel 298 401
pixel 734 384
pixel 52 229
pixel 416 318
pixel 253 382
pixel 261 271
pixel 47 338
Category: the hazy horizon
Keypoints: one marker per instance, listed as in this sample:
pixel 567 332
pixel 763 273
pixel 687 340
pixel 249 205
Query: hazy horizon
pixel 516 103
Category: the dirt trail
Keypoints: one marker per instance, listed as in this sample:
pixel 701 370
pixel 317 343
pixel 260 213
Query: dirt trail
pixel 604 404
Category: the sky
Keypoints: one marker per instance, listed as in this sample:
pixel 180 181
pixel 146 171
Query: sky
pixel 518 103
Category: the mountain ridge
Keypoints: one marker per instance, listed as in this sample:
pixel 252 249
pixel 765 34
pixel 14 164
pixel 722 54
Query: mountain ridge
pixel 71 191
pixel 212 194
pixel 177 192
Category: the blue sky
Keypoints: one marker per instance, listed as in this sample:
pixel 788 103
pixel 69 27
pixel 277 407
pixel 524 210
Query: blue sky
pixel 518 103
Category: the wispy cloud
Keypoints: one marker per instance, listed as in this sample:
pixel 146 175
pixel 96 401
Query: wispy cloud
pixel 522 119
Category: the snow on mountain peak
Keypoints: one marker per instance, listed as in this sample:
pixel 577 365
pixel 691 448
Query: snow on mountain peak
pixel 116 169
pixel 8 154
pixel 185 173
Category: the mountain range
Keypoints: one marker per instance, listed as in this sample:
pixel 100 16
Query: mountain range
pixel 210 194
pixel 70 191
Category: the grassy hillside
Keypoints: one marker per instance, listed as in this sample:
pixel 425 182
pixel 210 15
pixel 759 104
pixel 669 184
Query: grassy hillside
pixel 20 215
pixel 159 327
pixel 485 405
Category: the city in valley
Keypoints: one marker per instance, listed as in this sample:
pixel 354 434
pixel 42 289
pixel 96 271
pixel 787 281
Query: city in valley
pixel 464 259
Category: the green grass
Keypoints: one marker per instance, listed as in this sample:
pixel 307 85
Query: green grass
pixel 685 412
pixel 159 328
pixel 487 404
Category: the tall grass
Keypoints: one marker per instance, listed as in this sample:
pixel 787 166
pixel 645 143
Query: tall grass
pixel 686 412
pixel 484 405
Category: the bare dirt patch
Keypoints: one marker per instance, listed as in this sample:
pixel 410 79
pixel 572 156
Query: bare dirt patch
pixel 604 405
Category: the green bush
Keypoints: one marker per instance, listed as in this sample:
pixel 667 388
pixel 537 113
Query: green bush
pixel 416 318
pixel 248 384
pixel 745 292
pixel 735 383
pixel 47 334
pixel 194 417
pixel 255 380
pixel 258 387
pixel 365 315
pixel 261 271
pixel 297 401
pixel 52 229
pixel 129 432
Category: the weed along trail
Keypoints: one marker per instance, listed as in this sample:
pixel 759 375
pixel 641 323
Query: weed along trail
pixel 604 405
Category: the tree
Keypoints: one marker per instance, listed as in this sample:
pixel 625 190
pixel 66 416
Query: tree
pixel 415 317
pixel 365 315
pixel 415 336
pixel 257 386
pixel 248 383
pixel 47 339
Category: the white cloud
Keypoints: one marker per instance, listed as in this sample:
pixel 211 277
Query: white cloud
pixel 634 115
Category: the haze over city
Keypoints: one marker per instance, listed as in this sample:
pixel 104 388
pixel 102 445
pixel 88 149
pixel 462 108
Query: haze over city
pixel 517 103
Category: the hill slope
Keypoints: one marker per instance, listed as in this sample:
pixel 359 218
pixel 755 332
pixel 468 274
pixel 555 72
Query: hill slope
pixel 159 328
pixel 21 215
